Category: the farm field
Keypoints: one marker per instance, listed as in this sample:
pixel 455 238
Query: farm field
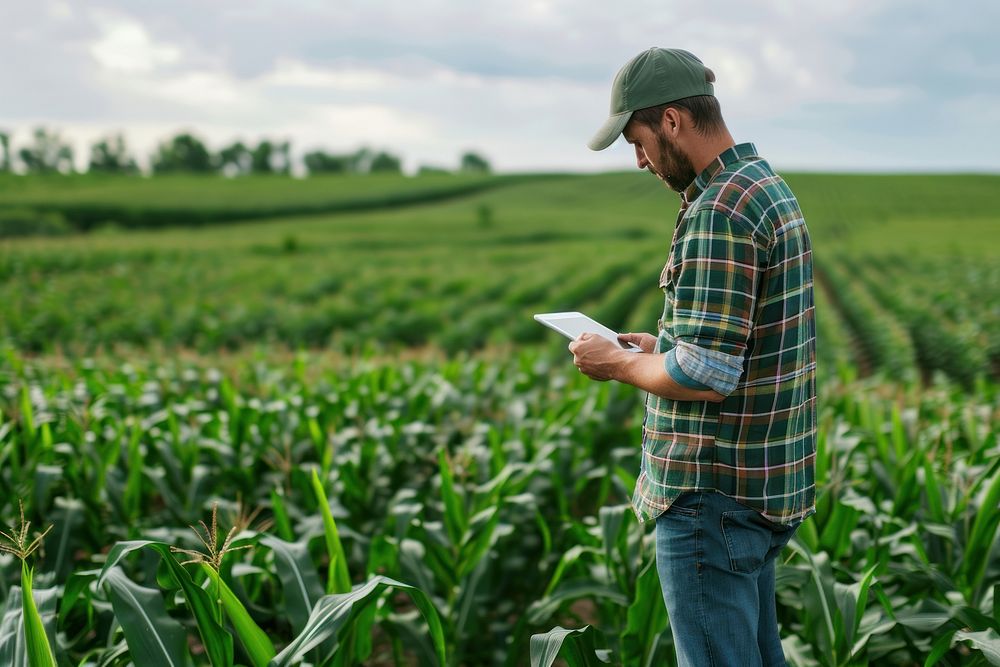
pixel 383 363
pixel 94 200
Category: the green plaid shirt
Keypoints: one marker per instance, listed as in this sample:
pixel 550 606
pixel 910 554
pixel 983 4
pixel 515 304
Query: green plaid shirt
pixel 738 317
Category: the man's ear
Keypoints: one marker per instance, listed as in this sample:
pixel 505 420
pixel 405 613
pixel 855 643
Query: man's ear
pixel 671 121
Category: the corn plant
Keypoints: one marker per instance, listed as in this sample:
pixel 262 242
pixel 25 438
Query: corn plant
pixel 34 648
pixel 498 491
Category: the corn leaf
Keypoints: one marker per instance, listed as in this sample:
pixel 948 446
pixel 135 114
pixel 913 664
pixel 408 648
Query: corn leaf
pixel 455 520
pixel 36 641
pixel 217 641
pixel 12 649
pixel 338 579
pixel 983 536
pixel 153 637
pixel 646 618
pixel 578 647
pixel 299 581
pixel 256 642
pixel 335 615
pixel 987 641
pixel 59 546
pixel 281 522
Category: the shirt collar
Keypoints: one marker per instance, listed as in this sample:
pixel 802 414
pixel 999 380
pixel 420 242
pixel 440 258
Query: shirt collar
pixel 729 156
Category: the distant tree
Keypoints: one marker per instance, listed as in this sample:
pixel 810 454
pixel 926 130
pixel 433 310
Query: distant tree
pixel 473 162
pixel 48 154
pixel 109 155
pixel 362 161
pixel 234 159
pixel 261 158
pixel 185 152
pixel 271 158
pixel 4 151
pixel 321 162
pixel 385 163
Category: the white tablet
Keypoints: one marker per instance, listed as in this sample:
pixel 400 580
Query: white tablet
pixel 573 324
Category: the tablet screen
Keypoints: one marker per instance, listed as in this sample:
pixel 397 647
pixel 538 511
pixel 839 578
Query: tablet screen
pixel 572 324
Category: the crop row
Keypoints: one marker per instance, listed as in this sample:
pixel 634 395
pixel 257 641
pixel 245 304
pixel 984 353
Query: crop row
pixel 86 203
pixel 898 327
pixel 885 340
pixel 960 294
pixel 880 319
pixel 941 344
pixel 498 491
pixel 469 272
pixel 195 303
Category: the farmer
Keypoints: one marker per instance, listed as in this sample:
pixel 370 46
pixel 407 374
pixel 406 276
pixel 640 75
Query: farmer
pixel 729 438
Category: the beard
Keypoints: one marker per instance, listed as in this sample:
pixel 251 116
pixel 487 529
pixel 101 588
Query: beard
pixel 677 171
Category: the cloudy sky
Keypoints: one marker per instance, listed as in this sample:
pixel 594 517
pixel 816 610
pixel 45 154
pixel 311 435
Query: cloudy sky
pixel 846 85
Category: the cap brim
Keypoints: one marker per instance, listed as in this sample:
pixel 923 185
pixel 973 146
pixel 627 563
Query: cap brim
pixel 610 131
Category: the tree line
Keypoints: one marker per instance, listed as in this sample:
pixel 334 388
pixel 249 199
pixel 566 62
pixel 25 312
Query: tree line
pixel 49 153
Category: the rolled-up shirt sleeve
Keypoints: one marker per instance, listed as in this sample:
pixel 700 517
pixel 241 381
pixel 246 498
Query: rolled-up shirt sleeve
pixel 697 368
pixel 716 276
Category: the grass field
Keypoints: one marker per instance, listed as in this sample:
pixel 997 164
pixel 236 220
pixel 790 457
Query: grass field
pixel 383 363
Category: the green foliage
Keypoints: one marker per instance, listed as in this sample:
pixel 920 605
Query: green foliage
pixel 234 159
pixel 49 154
pixel 431 170
pixel 37 643
pixel 333 614
pixel 580 648
pixel 496 489
pixel 110 156
pixel 16 222
pixel 484 216
pixel 338 580
pixel 153 637
pixel 562 243
pixel 271 158
pixel 255 641
pixel 5 159
pixel 183 153
pixel 474 162
pixel 217 641
pixel 385 163
pixel 490 490
pixel 177 199
pixel 321 162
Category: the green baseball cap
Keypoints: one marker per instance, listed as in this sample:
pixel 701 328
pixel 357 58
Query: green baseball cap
pixel 655 76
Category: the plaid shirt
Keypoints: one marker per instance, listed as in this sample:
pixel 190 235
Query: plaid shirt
pixel 738 318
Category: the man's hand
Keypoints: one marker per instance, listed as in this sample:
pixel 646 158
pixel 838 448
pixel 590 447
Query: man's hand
pixel 597 357
pixel 644 340
pixel 601 359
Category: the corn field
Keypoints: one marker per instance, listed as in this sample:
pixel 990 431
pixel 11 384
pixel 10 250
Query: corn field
pixel 341 440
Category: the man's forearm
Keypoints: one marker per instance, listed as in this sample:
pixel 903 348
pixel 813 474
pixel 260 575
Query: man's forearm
pixel 646 372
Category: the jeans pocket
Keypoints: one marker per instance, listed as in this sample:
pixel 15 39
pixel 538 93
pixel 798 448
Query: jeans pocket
pixel 748 539
pixel 686 504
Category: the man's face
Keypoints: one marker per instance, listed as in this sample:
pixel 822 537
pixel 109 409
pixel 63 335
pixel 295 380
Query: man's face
pixel 657 153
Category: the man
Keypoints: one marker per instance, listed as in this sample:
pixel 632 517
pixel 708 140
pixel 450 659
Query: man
pixel 727 467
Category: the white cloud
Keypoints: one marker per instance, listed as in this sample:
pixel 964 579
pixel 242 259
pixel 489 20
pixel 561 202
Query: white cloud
pixel 292 73
pixel 199 90
pixel 126 46
pixel 525 81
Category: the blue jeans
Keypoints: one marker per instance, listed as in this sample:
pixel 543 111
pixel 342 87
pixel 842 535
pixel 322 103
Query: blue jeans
pixel 715 557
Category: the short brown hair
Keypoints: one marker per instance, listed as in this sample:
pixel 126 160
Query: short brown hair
pixel 706 115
